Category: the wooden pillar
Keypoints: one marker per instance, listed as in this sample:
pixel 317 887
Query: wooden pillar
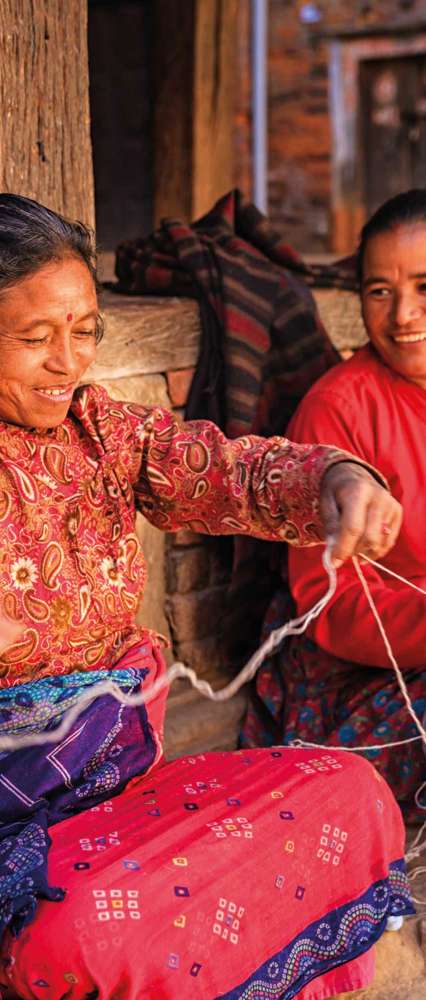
pixel 194 67
pixel 45 149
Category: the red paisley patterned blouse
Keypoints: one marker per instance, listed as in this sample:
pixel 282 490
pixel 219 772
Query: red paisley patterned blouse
pixel 71 569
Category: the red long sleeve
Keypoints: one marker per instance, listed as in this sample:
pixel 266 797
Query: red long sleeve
pixel 365 408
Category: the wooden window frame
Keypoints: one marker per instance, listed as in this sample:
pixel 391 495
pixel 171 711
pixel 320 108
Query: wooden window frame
pixel 348 212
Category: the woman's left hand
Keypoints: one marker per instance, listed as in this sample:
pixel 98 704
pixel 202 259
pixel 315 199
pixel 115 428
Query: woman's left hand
pixel 357 513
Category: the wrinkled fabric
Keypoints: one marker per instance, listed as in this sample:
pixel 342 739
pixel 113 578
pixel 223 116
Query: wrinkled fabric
pixel 72 571
pixel 225 875
pixel 366 407
pixel 108 744
pixel 336 685
pixel 262 346
pixel 262 341
pixel 304 693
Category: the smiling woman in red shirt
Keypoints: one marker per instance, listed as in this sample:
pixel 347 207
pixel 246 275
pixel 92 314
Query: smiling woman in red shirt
pixel 336 686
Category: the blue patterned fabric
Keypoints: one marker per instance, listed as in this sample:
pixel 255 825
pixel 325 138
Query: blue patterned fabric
pixel 338 937
pixel 107 745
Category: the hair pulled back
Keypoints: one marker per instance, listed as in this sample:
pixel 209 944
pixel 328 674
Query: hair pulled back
pixel 405 209
pixel 32 236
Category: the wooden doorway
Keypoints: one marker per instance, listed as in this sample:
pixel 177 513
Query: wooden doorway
pixel 120 40
pixel 393 127
pixel 162 86
pixel 378 109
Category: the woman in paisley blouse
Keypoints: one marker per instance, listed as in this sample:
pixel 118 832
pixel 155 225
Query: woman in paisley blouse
pixel 205 877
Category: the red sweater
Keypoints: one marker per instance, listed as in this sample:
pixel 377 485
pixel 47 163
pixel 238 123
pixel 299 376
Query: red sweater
pixel 365 407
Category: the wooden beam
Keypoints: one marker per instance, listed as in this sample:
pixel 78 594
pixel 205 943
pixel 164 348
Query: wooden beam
pixel 45 149
pixel 194 84
pixel 173 75
pixel 213 101
pixel 144 336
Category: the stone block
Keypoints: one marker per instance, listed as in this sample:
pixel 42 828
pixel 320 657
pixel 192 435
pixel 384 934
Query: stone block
pixel 205 656
pixel 146 335
pixel 195 724
pixel 179 383
pixel 147 390
pixel 196 615
pixel 188 569
pixel 220 555
pixel 340 312
pixel 184 537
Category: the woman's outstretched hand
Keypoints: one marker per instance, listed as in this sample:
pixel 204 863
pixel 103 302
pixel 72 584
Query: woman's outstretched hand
pixel 357 513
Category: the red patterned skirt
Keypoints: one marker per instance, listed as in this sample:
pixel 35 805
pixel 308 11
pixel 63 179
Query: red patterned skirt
pixel 258 875
pixel 306 693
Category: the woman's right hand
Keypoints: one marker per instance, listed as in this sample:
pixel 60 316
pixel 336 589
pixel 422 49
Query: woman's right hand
pixel 358 513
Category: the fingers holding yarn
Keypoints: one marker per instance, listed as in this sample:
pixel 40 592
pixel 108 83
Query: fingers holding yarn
pixel 355 508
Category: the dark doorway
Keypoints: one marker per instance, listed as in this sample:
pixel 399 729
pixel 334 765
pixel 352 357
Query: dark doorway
pixel 393 126
pixel 120 101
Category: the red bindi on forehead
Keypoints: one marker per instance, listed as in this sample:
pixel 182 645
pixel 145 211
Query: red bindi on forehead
pixel 69 317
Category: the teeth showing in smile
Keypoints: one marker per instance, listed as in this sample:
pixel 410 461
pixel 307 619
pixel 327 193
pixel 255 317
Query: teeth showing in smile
pixel 410 338
pixel 64 391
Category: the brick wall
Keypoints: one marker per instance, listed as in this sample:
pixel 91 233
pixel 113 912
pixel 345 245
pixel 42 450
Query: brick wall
pixel 299 133
pixel 197 572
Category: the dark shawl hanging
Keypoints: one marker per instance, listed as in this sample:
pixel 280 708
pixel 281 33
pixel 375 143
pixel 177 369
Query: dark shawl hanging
pixel 262 345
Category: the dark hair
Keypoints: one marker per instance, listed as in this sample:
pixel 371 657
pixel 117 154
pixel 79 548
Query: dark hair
pixel 405 209
pixel 32 236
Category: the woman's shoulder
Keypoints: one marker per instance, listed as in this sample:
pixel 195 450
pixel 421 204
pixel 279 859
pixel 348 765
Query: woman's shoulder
pixel 338 403
pixel 91 396
pixel 93 403
pixel 115 424
pixel 361 374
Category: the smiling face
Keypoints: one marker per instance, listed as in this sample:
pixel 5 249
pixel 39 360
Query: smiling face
pixel 47 341
pixel 393 298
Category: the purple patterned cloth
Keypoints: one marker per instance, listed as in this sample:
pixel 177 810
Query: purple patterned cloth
pixel 107 745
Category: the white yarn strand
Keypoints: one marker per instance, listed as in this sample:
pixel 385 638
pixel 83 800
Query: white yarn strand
pixel 414 851
pixel 295 626
pixel 385 569
pixel 389 651
pixel 418 845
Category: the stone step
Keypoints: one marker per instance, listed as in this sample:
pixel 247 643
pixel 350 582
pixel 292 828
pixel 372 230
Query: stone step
pixel 401 955
pixel 400 966
pixel 196 725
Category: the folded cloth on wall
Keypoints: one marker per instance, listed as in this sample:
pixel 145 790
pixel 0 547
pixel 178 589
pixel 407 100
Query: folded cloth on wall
pixel 262 346
pixel 263 343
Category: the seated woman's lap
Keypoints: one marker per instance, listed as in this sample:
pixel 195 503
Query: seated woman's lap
pixel 307 693
pixel 196 875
